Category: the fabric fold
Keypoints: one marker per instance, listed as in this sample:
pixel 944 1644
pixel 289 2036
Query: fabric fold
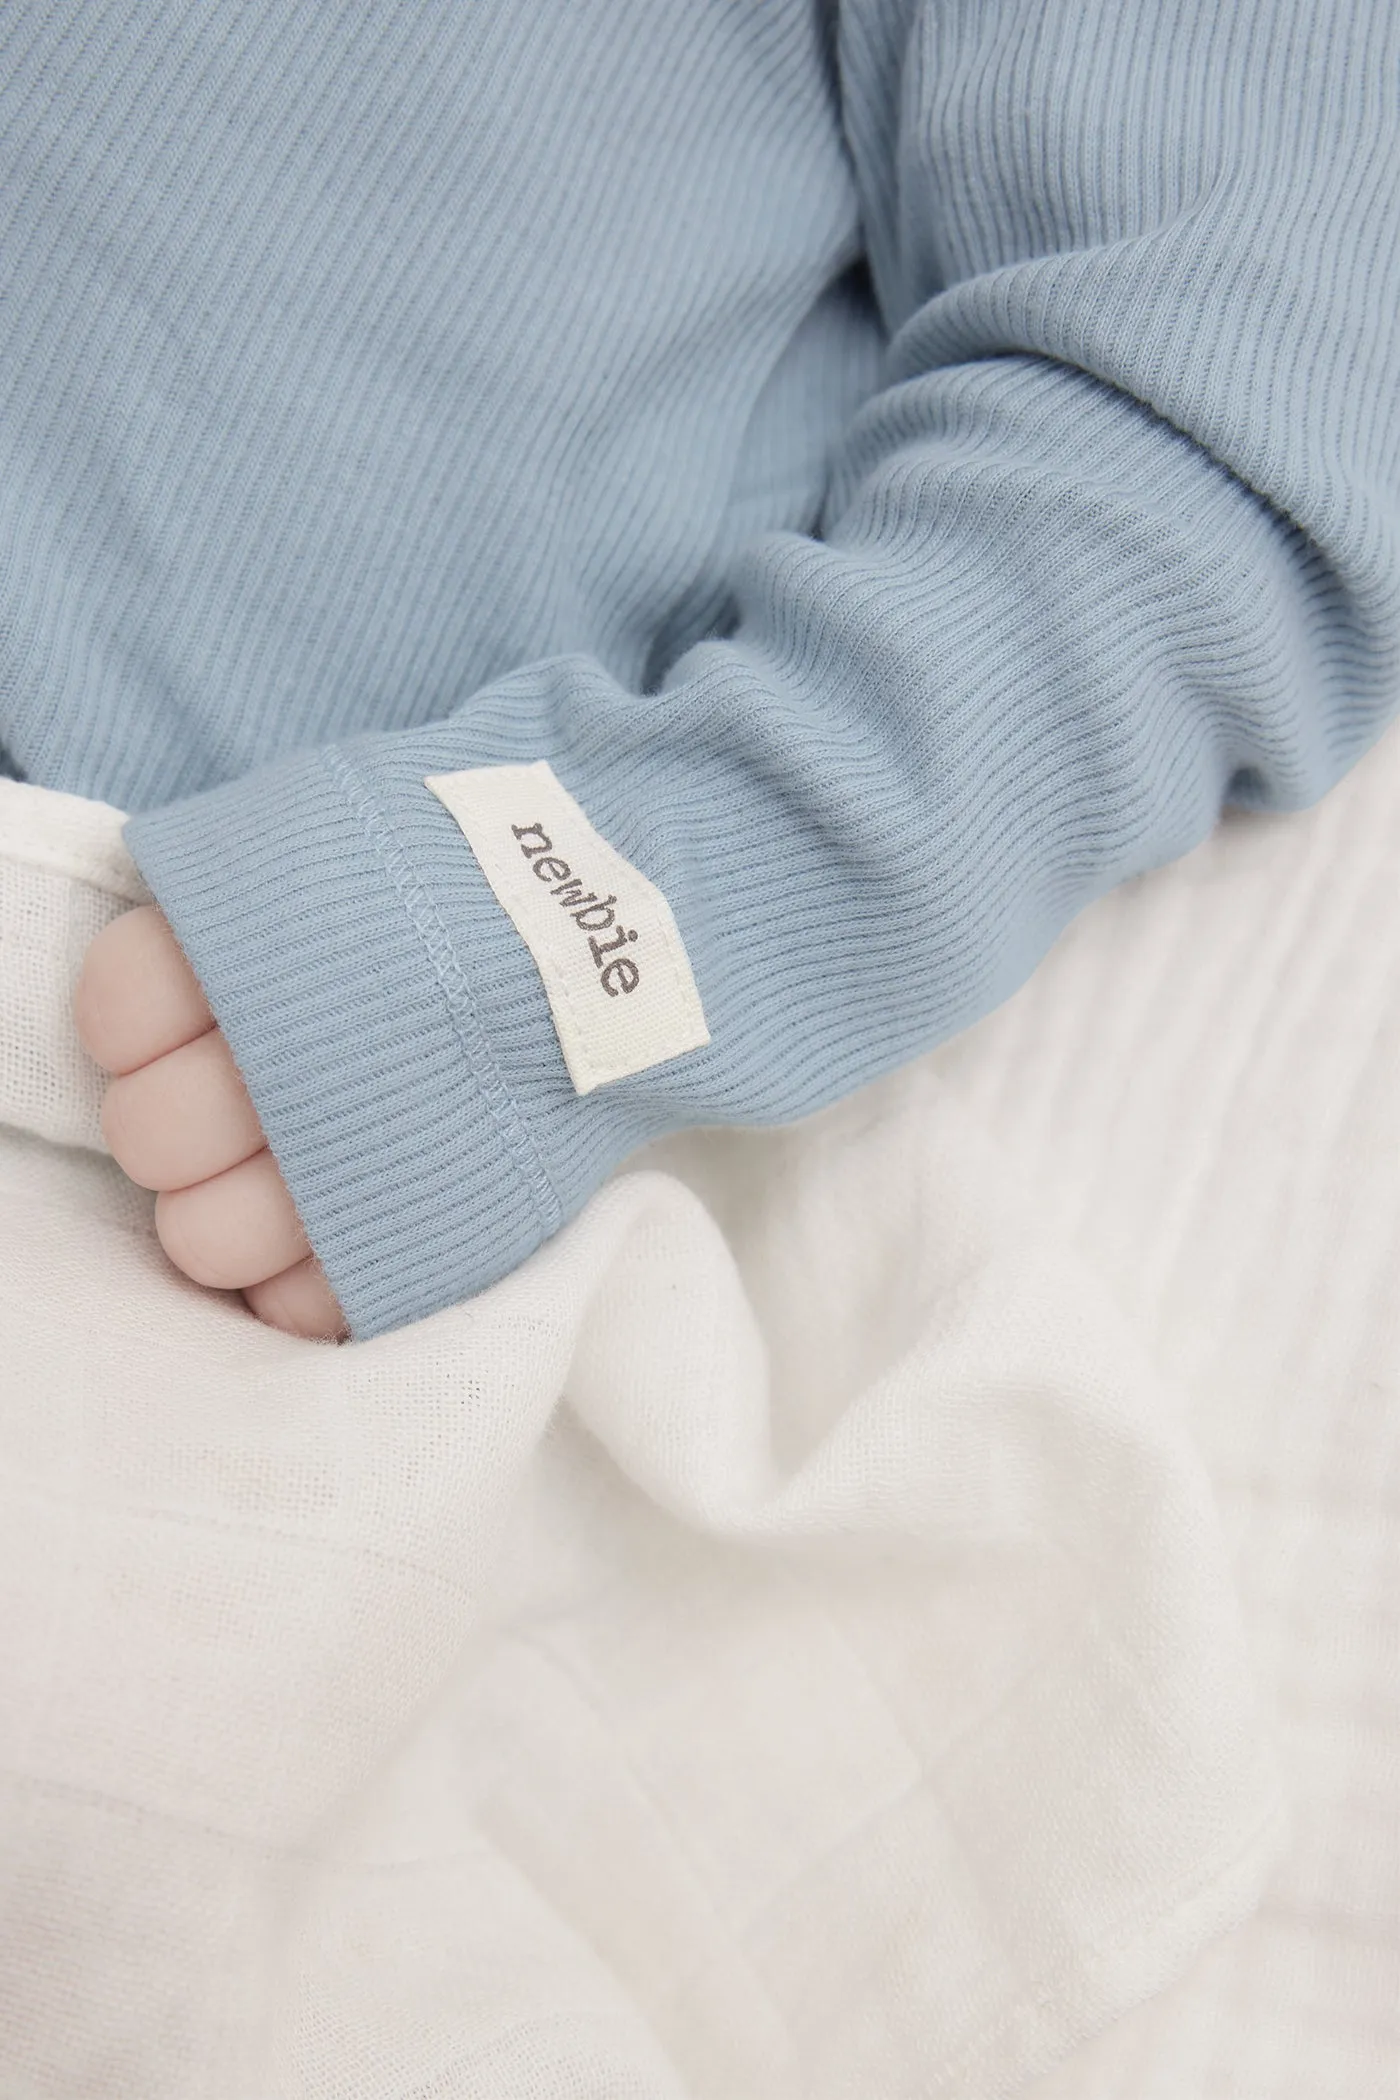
pixel 777 1641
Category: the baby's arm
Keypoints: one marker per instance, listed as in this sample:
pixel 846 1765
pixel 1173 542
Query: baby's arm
pixel 179 1120
pixel 1115 543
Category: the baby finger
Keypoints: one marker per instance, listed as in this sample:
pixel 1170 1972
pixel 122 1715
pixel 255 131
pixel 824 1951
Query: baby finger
pixel 234 1230
pixel 182 1118
pixel 299 1301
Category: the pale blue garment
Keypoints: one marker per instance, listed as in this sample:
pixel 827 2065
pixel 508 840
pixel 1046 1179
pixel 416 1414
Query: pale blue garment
pixel 904 465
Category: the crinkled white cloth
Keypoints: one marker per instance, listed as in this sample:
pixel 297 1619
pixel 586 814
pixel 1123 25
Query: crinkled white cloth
pixel 780 1644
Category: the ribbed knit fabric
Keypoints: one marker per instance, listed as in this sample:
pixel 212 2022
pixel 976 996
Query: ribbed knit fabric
pixel 904 466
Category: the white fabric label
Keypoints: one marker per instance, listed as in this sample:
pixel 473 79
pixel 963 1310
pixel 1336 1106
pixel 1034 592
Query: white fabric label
pixel 614 966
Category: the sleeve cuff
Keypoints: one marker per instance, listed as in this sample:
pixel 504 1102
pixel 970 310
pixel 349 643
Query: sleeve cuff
pixel 412 1092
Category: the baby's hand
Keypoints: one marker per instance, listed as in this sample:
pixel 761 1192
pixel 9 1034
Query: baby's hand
pixel 179 1119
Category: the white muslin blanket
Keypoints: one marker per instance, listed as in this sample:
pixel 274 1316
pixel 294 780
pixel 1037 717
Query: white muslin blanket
pixel 782 1643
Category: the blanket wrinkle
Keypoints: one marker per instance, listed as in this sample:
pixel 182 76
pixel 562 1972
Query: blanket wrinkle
pixel 781 1643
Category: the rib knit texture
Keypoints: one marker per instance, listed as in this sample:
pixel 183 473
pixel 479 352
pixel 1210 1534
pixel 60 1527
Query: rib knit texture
pixel 904 466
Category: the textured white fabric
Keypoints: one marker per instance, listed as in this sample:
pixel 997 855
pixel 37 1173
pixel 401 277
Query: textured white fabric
pixel 780 1643
pixel 1202 1096
pixel 64 873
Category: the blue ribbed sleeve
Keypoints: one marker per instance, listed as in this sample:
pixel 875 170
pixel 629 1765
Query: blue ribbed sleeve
pixel 1113 541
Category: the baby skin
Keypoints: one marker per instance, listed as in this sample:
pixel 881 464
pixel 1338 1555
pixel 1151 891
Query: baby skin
pixel 179 1120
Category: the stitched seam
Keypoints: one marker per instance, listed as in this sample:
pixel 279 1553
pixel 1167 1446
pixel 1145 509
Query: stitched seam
pixel 424 917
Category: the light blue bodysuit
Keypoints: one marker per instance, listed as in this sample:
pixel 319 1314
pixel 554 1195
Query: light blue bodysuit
pixel 903 464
